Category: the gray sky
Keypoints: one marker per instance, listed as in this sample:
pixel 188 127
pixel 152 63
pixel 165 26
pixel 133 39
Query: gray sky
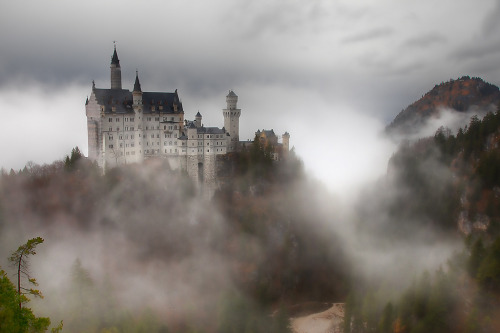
pixel 332 73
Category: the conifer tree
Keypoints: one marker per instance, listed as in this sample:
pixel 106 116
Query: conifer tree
pixel 20 259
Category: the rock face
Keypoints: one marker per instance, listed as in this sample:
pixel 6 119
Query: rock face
pixel 460 95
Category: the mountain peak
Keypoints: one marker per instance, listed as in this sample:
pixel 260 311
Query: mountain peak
pixel 460 95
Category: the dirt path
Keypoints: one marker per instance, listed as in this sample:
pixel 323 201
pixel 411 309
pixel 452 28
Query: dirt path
pixel 329 321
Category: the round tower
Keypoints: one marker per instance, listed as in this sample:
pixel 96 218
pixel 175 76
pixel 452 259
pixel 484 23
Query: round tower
pixel 286 144
pixel 116 72
pixel 197 119
pixel 232 120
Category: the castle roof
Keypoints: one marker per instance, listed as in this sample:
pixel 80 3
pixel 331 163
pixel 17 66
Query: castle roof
pixel 121 99
pixel 267 133
pixel 231 94
pixel 198 114
pixel 210 130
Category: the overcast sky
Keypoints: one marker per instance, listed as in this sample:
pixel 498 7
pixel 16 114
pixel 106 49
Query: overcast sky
pixel 332 73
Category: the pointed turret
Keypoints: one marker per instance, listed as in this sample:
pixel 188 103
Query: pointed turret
pixel 137 84
pixel 197 119
pixel 137 93
pixel 116 72
pixel 114 59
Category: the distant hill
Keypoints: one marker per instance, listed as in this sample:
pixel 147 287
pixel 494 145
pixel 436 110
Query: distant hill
pixel 462 95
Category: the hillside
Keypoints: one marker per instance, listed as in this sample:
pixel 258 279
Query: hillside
pixel 462 95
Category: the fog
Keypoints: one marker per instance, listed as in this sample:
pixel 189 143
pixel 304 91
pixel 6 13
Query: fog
pixel 332 74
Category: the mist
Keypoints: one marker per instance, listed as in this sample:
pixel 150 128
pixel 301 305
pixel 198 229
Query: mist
pixel 148 242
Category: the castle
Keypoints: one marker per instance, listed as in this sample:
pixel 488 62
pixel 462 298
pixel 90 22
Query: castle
pixel 130 127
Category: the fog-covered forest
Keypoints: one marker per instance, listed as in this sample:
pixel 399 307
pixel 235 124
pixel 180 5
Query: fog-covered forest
pixel 138 249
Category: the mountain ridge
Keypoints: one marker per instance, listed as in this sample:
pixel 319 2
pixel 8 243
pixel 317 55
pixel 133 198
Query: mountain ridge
pixel 461 95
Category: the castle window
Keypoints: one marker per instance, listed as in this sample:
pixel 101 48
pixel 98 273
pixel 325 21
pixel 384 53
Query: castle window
pixel 132 136
pixel 149 118
pixel 110 119
pixel 152 136
pixel 132 128
pixel 157 136
pixel 110 146
pixel 118 129
pixel 117 119
pixel 165 127
pixel 132 144
pixel 111 129
pixel 121 145
pixel 132 119
pixel 157 118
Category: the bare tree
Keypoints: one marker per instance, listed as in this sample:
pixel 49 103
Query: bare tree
pixel 19 259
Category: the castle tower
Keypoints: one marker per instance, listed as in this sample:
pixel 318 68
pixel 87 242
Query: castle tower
pixel 116 72
pixel 286 144
pixel 137 93
pixel 232 120
pixel 197 119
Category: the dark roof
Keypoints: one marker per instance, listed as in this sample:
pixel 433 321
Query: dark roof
pixel 231 94
pixel 198 114
pixel 122 100
pixel 210 130
pixel 267 133
pixel 137 84
pixel 114 59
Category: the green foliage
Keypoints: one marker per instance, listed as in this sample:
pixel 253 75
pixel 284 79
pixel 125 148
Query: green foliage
pixel 488 273
pixel 477 254
pixel 238 313
pixel 19 259
pixel 14 319
pixel 424 188
pixel 71 162
pixel 488 169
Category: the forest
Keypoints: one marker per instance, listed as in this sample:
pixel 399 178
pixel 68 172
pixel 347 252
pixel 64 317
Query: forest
pixel 136 249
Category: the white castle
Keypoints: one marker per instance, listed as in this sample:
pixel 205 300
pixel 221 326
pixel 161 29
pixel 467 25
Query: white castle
pixel 129 127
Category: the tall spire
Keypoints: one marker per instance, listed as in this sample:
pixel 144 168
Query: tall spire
pixel 137 84
pixel 116 72
pixel 114 58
